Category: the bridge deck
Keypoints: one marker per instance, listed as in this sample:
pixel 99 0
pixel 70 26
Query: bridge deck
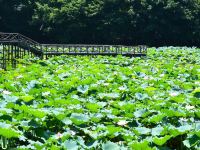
pixel 15 46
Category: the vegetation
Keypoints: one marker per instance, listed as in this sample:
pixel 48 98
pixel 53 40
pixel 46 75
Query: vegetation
pixel 103 102
pixel 151 22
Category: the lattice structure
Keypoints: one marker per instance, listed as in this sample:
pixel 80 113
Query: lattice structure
pixel 109 50
pixel 15 46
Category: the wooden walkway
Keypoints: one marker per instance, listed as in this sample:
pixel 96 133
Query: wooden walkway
pixel 15 46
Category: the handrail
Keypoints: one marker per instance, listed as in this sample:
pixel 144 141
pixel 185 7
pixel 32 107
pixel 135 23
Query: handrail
pixel 16 37
pixel 15 45
pixel 43 48
pixel 28 39
pixel 83 45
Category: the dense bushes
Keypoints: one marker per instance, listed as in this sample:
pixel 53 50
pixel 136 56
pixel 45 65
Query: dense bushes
pixel 152 22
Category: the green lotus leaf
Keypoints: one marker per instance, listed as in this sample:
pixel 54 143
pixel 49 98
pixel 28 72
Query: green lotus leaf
pixel 139 113
pixel 156 118
pixel 157 131
pixel 110 146
pixel 162 140
pixel 9 133
pixel 109 95
pixel 67 121
pixel 143 130
pixel 70 145
pixel 83 89
pixel 79 118
pixel 191 141
pixel 9 98
pixel 27 98
pixel 141 145
pixel 184 128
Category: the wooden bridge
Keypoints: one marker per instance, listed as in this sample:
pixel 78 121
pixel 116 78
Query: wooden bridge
pixel 14 46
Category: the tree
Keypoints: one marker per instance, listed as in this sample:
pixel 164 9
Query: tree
pixel 151 22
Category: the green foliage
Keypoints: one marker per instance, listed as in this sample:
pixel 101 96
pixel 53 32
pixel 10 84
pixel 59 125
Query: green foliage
pixel 151 22
pixel 110 146
pixel 103 102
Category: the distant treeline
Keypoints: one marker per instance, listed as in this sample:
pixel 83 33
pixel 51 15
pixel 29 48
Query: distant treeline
pixel 151 22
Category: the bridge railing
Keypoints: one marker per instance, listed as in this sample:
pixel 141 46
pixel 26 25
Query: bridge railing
pixel 15 46
pixel 81 48
pixel 16 37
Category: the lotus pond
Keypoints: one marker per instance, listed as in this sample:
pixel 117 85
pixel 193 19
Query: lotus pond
pixel 108 103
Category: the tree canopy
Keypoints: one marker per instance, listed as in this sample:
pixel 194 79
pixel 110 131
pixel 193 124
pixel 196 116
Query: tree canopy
pixel 151 22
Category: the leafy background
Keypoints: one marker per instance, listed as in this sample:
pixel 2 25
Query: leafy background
pixel 133 22
pixel 104 103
